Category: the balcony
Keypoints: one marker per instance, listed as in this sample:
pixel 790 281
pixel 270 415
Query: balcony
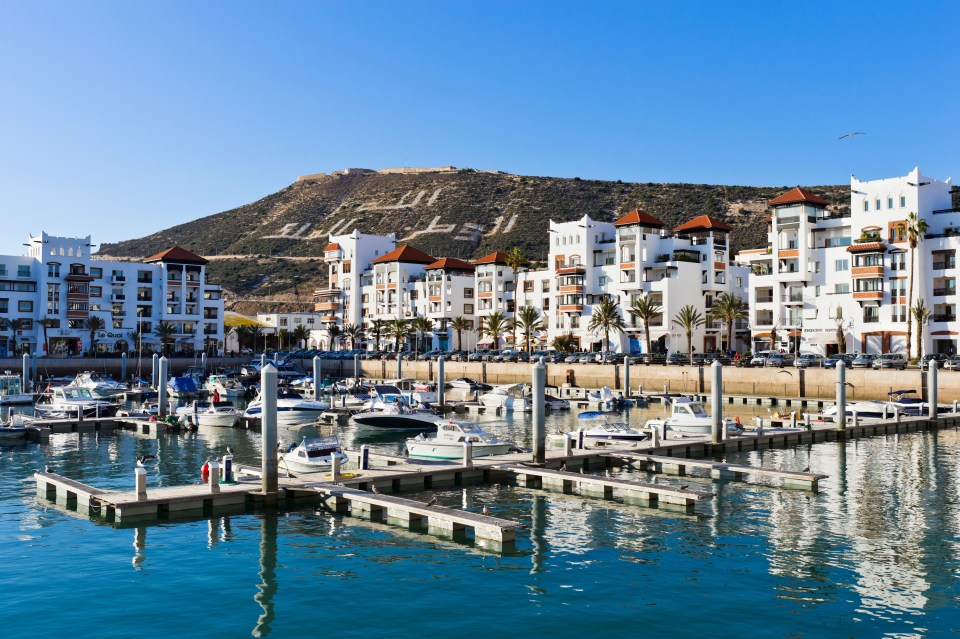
pixel 940 266
pixel 571 308
pixel 570 269
pixel 764 299
pixel 793 298
pixel 868 295
pixel 866 271
pixel 944 318
pixel 117 297
pixel 327 306
pixel 945 291
pixel 118 279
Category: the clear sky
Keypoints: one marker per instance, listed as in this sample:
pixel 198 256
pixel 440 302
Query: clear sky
pixel 123 118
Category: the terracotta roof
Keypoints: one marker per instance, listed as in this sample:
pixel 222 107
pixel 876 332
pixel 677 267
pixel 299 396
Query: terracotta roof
pixel 637 216
pixel 497 257
pixel 704 222
pixel 867 246
pixel 176 254
pixel 451 264
pixel 797 195
pixel 333 246
pixel 406 254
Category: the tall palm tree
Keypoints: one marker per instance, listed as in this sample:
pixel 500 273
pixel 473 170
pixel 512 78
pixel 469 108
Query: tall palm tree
pixel 563 343
pixel 165 331
pixel 283 335
pixel 354 333
pixel 93 324
pixel 728 308
pixel 378 328
pixel 689 319
pixel 398 330
pixel 494 325
pixel 515 260
pixel 645 309
pixel 920 313
pixel 334 331
pixel 6 324
pixel 529 318
pixel 606 317
pixel 256 332
pixel 840 335
pixel 916 227
pixel 45 323
pixel 421 326
pixel 301 334
pixel 136 339
pixel 460 324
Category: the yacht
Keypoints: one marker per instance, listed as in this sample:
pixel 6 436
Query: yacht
pixel 69 402
pixel 11 390
pixel 224 386
pixel 100 387
pixel 16 428
pixel 606 398
pixel 688 417
pixel 868 409
pixel 396 415
pixel 607 425
pixel 508 397
pixel 313 454
pixel 416 393
pixel 450 438
pixel 292 409
pixel 223 414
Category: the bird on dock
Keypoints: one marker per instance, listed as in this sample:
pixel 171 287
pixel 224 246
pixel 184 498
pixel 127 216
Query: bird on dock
pixel 229 449
pixel 583 471
pixel 48 470
pixel 143 458
pixel 684 487
pixel 563 467
pixel 608 473
pixel 807 469
pixel 374 490
pixel 432 503
pixel 486 509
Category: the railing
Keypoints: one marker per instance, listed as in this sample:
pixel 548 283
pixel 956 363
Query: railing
pixel 873 319
pixel 765 299
pixel 945 291
pixel 944 318
pixel 606 240
pixel 793 297
pixel 939 266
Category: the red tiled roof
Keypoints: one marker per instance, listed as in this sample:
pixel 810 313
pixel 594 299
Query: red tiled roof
pixel 704 222
pixel 797 195
pixel 333 246
pixel 867 246
pixel 451 264
pixel 406 254
pixel 497 257
pixel 176 254
pixel 637 216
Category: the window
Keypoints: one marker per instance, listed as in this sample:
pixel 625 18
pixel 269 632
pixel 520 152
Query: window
pixel 75 323
pixel 468 309
pixel 96 291
pixel 738 281
pixel 468 293
pixel 23 271
pixel 53 269
pixel 546 304
pixel 4 306
pixel 871 314
pixel 903 201
pixel 24 324
pixel 96 273
pixel 842 265
pixel 546 286
pixel 889 202
pixel 877 202
pixel 842 288
pixel 866 205
pixel 899 313
pixel 25 306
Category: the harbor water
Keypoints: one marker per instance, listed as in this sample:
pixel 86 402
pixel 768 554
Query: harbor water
pixel 873 554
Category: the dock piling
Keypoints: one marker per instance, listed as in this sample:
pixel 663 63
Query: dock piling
pixel 399 364
pixel 334 468
pixel 203 361
pixel 441 384
pixel 155 371
pixel 317 375
pixel 26 371
pixel 932 371
pixel 841 395
pixel 214 479
pixel 268 429
pixel 716 400
pixel 140 480
pixel 806 421
pixel 539 432
pixel 856 419
pixel 364 457
pixel 162 388
pixel 468 454
pixel 567 445
pixel 626 376
pixel 123 366
pixel 356 366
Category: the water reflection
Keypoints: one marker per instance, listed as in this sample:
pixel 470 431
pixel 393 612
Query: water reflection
pixel 267 588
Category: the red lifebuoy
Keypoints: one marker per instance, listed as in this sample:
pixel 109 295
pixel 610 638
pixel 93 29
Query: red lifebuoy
pixel 205 472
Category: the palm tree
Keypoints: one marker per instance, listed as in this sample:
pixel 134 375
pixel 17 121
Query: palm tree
pixel 165 331
pixel 136 338
pixel 283 335
pixel 300 335
pixel 398 330
pixel 841 336
pixel 421 326
pixel 494 325
pixel 529 318
pixel 460 324
pixel 515 260
pixel 920 313
pixel 563 343
pixel 256 332
pixel 334 331
pixel 46 322
pixel 93 324
pixel 728 308
pixel 916 227
pixel 606 317
pixel 354 333
pixel 773 337
pixel 378 327
pixel 689 319
pixel 645 309
pixel 7 324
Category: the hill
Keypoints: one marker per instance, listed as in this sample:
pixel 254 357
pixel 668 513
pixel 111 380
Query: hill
pixel 272 246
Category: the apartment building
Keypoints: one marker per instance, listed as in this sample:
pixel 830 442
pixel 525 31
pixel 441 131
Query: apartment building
pixel 59 284
pixel 838 280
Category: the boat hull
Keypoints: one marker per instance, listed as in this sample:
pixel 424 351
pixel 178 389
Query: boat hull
pixel 428 450
pixel 378 421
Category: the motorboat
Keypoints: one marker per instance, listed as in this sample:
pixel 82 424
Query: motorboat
pixel 867 409
pixel 182 387
pixel 689 417
pixel 383 395
pixel 223 414
pixel 607 425
pixel 11 391
pixel 416 393
pixel 555 403
pixel 100 387
pixel 292 409
pixel 312 455
pixel 465 383
pixel 224 386
pixel 907 405
pixel 508 397
pixel 70 402
pixel 606 398
pixel 15 428
pixel 396 415
pixel 448 443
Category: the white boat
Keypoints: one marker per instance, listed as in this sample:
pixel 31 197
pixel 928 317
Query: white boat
pixel 606 398
pixel 396 415
pixel 292 409
pixel 16 428
pixel 688 417
pixel 223 414
pixel 100 387
pixel 11 391
pixel 555 403
pixel 465 383
pixel 67 402
pixel 312 454
pixel 224 386
pixel 416 393
pixel 611 426
pixel 182 387
pixel 508 397
pixel 383 395
pixel 449 440
pixel 868 409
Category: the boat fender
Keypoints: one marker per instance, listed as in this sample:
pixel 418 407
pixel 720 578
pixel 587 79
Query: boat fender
pixel 736 420
pixel 205 472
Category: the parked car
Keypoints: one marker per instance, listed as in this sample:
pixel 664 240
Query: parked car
pixel 938 358
pixel 831 362
pixel 760 358
pixel 891 360
pixel 476 356
pixel 649 358
pixel 710 358
pixel 429 355
pixel 952 363
pixel 809 360
pixel 778 360
pixel 678 359
pixel 863 361
pixel 605 357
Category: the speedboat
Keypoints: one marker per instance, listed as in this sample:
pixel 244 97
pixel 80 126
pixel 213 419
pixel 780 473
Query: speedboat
pixel 312 455
pixel 396 416
pixel 222 414
pixel 224 386
pixel 11 390
pixel 867 409
pixel 69 402
pixel 182 387
pixel 507 397
pixel 606 398
pixel 449 440
pixel 555 403
pixel 607 425
pixel 292 409
pixel 907 405
pixel 16 428
pixel 100 387
pixel 688 417
pixel 465 383
pixel 416 393
pixel 383 395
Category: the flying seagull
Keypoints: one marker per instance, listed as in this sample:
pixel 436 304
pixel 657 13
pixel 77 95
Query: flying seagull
pixel 850 135
pixel 144 458
pixel 432 503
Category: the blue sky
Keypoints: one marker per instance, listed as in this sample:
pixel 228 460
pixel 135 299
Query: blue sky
pixel 123 118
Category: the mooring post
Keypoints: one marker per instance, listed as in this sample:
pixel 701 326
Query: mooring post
pixel 203 361
pixel 214 478
pixel 123 366
pixel 884 411
pixel 954 406
pixel 228 469
pixel 932 370
pixel 399 364
pixel 33 368
pixel 468 454
pixel 655 437
pixel 334 467
pixel 26 372
pixel 716 400
pixel 316 377
pixel 567 445
pixel 364 457
pixel 140 479
pixel 896 414
pixel 441 383
pixel 793 419
pixel 162 387
pixel 539 411
pixel 841 395
pixel 268 430
pixel 856 418
pixel 155 371
pixel 806 421
pixel 626 376
pixel 263 359
pixel 356 367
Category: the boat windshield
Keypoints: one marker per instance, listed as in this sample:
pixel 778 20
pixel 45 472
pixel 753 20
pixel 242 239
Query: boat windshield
pixel 77 393
pixel 10 385
pixel 697 409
